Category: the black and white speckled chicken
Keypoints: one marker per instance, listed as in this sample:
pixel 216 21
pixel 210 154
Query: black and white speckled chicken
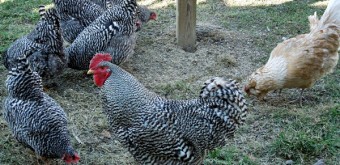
pixel 75 15
pixel 48 58
pixel 35 119
pixel 72 27
pixel 145 15
pixel 84 11
pixel 161 131
pixel 113 32
pixel 105 4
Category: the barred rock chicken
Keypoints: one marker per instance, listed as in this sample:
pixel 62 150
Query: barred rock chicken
pixel 113 32
pixel 75 15
pixel 72 27
pixel 84 11
pixel 105 4
pixel 145 15
pixel 48 59
pixel 161 131
pixel 299 62
pixel 35 119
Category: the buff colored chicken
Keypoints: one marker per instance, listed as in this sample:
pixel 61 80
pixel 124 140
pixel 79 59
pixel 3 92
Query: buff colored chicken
pixel 299 62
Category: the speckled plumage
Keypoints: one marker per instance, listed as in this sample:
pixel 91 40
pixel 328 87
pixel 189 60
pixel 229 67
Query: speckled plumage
pixel 76 15
pixel 105 4
pixel 35 119
pixel 161 131
pixel 113 32
pixel 48 59
pixel 72 27
pixel 84 11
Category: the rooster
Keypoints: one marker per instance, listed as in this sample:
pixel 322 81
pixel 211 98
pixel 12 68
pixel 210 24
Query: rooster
pixel 161 131
pixel 299 62
pixel 35 119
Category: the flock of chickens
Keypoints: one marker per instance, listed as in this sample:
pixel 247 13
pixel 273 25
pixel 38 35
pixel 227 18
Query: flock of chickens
pixel 101 35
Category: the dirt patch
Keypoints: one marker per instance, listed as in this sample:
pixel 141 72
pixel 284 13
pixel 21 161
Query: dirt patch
pixel 219 53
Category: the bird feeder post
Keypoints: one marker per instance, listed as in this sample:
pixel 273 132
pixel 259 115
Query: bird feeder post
pixel 186 24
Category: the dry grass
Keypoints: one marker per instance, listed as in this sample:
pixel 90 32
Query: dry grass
pixel 232 42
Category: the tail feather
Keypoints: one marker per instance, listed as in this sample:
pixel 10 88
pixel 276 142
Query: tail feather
pixel 5 59
pixel 228 91
pixel 331 17
pixel 53 16
pixel 50 15
pixel 21 81
pixel 22 64
pixel 56 42
pixel 313 21
pixel 42 11
pixel 332 13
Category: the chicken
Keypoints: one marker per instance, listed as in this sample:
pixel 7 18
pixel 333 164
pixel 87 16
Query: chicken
pixel 48 59
pixel 145 15
pixel 113 32
pixel 160 131
pixel 299 62
pixel 75 15
pixel 105 4
pixel 35 119
pixel 72 27
pixel 83 11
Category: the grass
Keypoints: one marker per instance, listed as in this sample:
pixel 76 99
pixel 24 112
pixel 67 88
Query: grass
pixel 234 40
pixel 229 156
pixel 303 139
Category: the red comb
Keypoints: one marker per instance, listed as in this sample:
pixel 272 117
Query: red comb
pixel 99 57
pixel 153 16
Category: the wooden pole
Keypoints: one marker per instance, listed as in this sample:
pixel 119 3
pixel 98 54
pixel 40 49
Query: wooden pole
pixel 186 24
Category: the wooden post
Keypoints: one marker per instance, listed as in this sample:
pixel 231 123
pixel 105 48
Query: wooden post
pixel 186 24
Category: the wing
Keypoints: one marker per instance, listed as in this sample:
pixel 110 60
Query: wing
pixel 159 142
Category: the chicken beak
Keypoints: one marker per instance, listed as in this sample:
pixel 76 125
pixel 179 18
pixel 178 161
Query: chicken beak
pixel 90 71
pixel 247 89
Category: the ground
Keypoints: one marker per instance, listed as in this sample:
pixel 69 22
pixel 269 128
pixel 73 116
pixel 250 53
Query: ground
pixel 234 38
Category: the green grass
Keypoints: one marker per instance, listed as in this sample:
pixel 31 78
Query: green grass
pixel 267 23
pixel 274 132
pixel 229 156
pixel 307 138
pixel 275 21
pixel 17 18
pixel 332 83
